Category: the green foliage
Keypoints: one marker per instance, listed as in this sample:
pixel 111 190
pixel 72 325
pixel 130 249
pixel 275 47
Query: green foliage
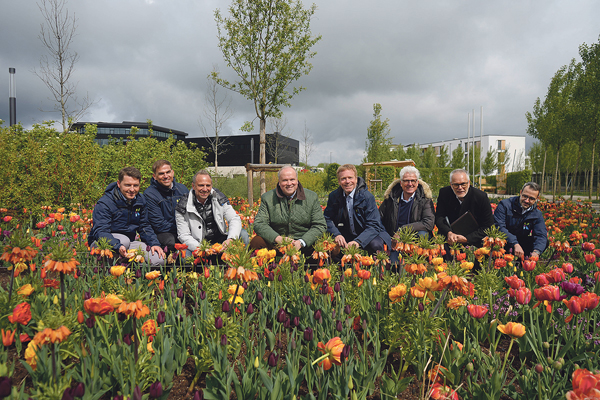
pixel 416 154
pixel 313 180
pixel 490 162
pixel 443 158
pixel 516 180
pixel 458 158
pixel 399 154
pixel 378 138
pixel 436 178
pixel 385 173
pixel 429 157
pixel 331 176
pixel 42 166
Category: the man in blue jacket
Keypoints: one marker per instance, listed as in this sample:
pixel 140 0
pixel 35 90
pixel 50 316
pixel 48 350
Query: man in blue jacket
pixel 352 216
pixel 522 222
pixel 121 213
pixel 162 197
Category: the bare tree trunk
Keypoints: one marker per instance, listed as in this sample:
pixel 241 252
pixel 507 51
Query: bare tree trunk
pixel 544 171
pixel 592 168
pixel 577 165
pixel 555 177
pixel 262 157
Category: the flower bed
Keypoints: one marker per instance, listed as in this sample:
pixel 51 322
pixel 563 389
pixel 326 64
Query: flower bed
pixel 85 324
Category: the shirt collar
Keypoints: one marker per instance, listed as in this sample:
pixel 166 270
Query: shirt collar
pixel 409 199
pixel 351 195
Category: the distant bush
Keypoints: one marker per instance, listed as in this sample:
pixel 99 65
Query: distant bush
pixel 313 180
pixel 516 180
pixel 436 178
pixel 331 176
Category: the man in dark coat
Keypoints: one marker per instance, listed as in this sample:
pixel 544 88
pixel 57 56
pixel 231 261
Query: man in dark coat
pixel 352 215
pixel 456 200
pixel 162 197
pixel 522 222
pixel 407 201
pixel 121 213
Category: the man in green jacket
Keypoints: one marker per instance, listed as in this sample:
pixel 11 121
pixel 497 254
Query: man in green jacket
pixel 288 211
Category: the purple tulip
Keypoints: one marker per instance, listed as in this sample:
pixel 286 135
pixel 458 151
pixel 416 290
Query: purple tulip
pixel 318 316
pixel 199 395
pixel 421 307
pixel 118 397
pixel 345 353
pixel 225 307
pixel 90 322
pixel 5 386
pixel 280 278
pixel 307 300
pixel 378 306
pixel 199 285
pixel 245 285
pixel 175 280
pixel 308 334
pixel 281 315
pixel 223 340
pixel 127 339
pixel 137 393
pixel 273 359
pixel 161 317
pixel 68 394
pixel 202 295
pixel 79 390
pixel 87 295
pixel 259 296
pixel 338 326
pixel 271 276
pixel 180 293
pixel 296 321
pixel 337 287
pixel 306 280
pixel 218 322
pixel 287 323
pixel 250 309
pixel 156 390
pixel 347 309
pixel 572 288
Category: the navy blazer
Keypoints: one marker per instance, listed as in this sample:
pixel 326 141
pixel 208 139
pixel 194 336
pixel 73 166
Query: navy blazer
pixel 527 229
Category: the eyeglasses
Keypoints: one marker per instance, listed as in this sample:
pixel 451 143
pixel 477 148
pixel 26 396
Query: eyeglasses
pixel 412 181
pixel 525 197
pixel 457 185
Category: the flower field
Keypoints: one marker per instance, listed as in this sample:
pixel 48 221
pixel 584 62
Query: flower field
pixel 473 324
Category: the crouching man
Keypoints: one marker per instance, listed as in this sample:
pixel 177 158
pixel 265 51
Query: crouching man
pixel 121 213
pixel 205 213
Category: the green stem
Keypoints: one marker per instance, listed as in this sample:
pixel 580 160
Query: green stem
pixel 324 356
pixel 506 357
pixel 62 292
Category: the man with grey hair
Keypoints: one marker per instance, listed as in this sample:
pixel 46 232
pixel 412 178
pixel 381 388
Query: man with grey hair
pixel 288 211
pixel 408 202
pixel 202 214
pixel 523 224
pixel 471 205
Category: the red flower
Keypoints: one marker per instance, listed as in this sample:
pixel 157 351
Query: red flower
pixel 591 300
pixel 514 282
pixel 590 258
pixel 333 349
pixel 522 294
pixel 542 280
pixel 585 385
pixel 21 314
pixel 442 392
pixel 529 265
pixel 477 311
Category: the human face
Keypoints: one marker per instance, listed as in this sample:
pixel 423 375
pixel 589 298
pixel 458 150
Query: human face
pixel 460 184
pixel 347 180
pixel 528 197
pixel 164 175
pixel 129 186
pixel 202 187
pixel 409 184
pixel 288 181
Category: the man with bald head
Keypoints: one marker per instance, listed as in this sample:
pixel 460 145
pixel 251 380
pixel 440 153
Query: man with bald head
pixel 288 211
pixel 456 200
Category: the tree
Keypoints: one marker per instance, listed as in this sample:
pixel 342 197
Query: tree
pixel 490 162
pixel 458 158
pixel 378 138
pixel 429 157
pixel 399 154
pixel 217 111
pixel 443 158
pixel 56 34
pixel 416 154
pixel 268 44
pixel 307 144
pixel 277 142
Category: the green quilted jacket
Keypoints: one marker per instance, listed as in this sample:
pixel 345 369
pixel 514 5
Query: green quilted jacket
pixel 299 218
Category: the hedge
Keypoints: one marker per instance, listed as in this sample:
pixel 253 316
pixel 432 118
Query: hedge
pixel 516 180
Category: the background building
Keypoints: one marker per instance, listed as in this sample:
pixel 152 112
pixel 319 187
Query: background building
pixel 121 130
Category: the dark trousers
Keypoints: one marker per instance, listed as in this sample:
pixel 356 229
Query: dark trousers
pixel 168 240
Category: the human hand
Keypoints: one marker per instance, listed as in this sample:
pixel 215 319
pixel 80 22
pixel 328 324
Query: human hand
pixel 518 251
pixel 159 250
pixel 353 244
pixel 340 241
pixel 297 244
pixel 123 251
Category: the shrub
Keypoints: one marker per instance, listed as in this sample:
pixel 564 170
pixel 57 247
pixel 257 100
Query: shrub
pixel 331 176
pixel 516 180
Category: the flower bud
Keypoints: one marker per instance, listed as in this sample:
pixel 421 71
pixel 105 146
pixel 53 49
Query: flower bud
pixel 306 280
pixel 287 323
pixel 202 295
pixel 223 340
pixel 273 359
pixel 539 368
pixel 137 393
pixel 90 322
pixel 345 353
pixel 161 317
pixel 318 316
pixel 350 383
pixel 179 294
pixel 338 326
pixel 271 276
pixel 378 306
pixel 138 273
pixel 347 309
pixel 156 390
pixel 127 340
pixel 333 314
pixel 250 309
pixel 337 287
pixel 421 307
pixel 245 285
pixel 308 334
pixel 218 322
pixel 296 321
pixel 470 367
pixel 5 386
pixel 307 300
pixel 225 307
pixel 259 296
pixel 199 395
pixel 280 278
pixel 175 280
pixel 281 315
pixel 79 390
pixel 67 394
pixel 200 285
pixel 256 362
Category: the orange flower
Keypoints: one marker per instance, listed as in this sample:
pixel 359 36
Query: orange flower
pixel 180 246
pixel 426 286
pixel 113 299
pixel 149 327
pixel 14 255
pixel 30 354
pixel 61 266
pixel 50 335
pixel 80 317
pixel 98 306
pixel 512 329
pixel 320 275
pixel 21 314
pixel 241 273
pixel 333 349
pixel 585 385
pixel 477 311
pixel 25 290
pixel 348 272
pixel 456 303
pixel 118 270
pixel 591 300
pixel 8 337
pixel 136 308
pixel 397 292
pixel 152 275
pixel 415 269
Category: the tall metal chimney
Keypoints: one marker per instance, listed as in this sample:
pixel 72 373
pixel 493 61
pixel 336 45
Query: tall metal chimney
pixel 12 97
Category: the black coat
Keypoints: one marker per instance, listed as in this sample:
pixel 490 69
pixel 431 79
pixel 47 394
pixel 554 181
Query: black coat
pixel 449 209
pixel 422 214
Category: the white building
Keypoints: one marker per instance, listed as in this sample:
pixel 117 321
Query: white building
pixel 511 146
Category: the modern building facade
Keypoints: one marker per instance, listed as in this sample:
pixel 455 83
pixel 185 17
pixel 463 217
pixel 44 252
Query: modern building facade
pixel 122 130
pixel 504 145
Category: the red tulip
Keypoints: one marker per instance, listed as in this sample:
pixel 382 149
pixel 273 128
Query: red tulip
pixel 591 300
pixel 477 311
pixel 590 258
pixel 529 265
pixel 568 267
pixel 514 282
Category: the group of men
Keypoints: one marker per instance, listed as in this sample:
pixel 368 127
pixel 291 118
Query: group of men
pixel 167 213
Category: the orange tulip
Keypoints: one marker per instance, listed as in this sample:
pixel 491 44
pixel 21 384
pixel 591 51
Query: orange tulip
pixel 149 327
pixel 456 303
pixel 585 385
pixel 117 270
pixel 591 300
pixel 21 314
pixel 8 337
pixel 333 349
pixel 25 290
pixel 477 311
pixel 320 275
pixel 98 306
pixel 397 292
pixel 152 275
pixel 512 329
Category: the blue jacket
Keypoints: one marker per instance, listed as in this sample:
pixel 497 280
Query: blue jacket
pixel 528 230
pixel 112 214
pixel 161 203
pixel 367 221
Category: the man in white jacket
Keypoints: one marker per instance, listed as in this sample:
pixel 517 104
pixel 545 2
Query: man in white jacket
pixel 205 213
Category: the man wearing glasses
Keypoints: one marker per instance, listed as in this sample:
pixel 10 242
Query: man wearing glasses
pixel 457 201
pixel 523 223
pixel 407 201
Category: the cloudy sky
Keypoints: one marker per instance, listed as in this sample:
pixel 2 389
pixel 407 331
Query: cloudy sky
pixel 428 63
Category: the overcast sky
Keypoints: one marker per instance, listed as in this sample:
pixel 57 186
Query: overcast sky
pixel 428 64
